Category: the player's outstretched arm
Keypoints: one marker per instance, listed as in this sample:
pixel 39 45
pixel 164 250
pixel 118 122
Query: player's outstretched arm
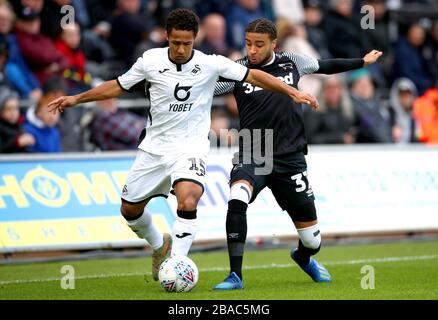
pixel 331 66
pixel 107 90
pixel 371 57
pixel 266 81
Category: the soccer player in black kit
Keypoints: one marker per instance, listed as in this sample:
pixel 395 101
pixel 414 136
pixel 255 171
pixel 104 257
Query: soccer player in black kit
pixel 271 112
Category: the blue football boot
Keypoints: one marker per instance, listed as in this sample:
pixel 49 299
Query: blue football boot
pixel 314 269
pixel 232 282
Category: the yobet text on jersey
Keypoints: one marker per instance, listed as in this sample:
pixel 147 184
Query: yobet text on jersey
pixel 180 107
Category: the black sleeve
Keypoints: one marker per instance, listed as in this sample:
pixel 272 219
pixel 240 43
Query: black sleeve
pixel 331 66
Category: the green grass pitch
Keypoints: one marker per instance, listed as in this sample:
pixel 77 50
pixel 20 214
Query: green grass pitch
pixel 402 270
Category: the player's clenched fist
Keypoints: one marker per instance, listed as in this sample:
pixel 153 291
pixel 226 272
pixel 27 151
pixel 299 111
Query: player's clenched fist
pixel 371 57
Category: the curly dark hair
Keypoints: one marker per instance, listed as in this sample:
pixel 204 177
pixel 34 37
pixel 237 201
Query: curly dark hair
pixel 263 25
pixel 182 19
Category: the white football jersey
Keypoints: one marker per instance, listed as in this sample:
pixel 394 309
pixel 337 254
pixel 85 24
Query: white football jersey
pixel 181 96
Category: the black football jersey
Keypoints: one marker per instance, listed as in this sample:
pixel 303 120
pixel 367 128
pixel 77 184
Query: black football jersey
pixel 262 109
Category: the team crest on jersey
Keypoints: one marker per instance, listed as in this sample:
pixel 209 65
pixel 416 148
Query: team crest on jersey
pixel 286 66
pixel 196 70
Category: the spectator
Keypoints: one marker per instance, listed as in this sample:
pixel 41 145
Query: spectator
pixel 129 26
pixel 99 10
pixel 12 137
pixel 70 124
pixel 402 97
pixel 408 60
pixel 426 115
pixel 51 16
pixel 220 134
pixel 38 50
pixel 296 41
pixel 373 120
pixel 42 124
pixel 214 31
pixel 77 78
pixel 112 129
pixel 160 9
pixel 239 15
pixel 96 38
pixel 291 10
pixel 430 51
pixel 4 81
pixel 16 69
pixel 378 38
pixel 268 9
pixel 81 12
pixel 315 34
pixel 157 39
pixel 204 8
pixel 333 122
pixel 34 5
pixel 342 30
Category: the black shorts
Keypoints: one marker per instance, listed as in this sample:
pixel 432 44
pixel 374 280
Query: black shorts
pixel 290 188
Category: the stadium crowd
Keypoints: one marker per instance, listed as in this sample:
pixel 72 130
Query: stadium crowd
pixel 394 101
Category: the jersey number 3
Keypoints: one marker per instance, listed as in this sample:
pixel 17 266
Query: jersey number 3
pixel 298 178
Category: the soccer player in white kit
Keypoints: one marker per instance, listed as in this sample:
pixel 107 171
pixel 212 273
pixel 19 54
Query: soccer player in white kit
pixel 180 83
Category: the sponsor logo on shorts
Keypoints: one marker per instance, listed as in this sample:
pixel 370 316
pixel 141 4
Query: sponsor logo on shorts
pixel 285 66
pixel 309 192
pixel 183 235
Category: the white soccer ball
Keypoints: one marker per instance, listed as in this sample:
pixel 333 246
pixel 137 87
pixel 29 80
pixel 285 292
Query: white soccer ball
pixel 178 274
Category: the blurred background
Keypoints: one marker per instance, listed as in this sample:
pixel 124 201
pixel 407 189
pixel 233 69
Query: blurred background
pixel 389 102
pixel 55 168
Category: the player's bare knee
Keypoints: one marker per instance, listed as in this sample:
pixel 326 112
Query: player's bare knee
pixel 129 210
pixel 188 195
pixel 124 210
pixel 188 203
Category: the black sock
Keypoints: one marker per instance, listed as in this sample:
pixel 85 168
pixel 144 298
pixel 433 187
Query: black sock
pixel 303 254
pixel 133 218
pixel 189 215
pixel 236 265
pixel 236 234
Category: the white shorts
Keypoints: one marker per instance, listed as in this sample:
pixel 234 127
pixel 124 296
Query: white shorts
pixel 154 175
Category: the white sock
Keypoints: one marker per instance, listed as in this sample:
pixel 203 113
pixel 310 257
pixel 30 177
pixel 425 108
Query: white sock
pixel 184 231
pixel 145 229
pixel 310 236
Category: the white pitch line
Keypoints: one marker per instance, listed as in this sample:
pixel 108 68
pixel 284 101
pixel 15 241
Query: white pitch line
pixel 263 266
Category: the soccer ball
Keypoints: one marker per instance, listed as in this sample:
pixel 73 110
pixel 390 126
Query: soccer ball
pixel 178 274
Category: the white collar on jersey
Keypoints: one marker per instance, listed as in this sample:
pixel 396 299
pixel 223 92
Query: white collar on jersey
pixel 271 61
pixel 178 65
